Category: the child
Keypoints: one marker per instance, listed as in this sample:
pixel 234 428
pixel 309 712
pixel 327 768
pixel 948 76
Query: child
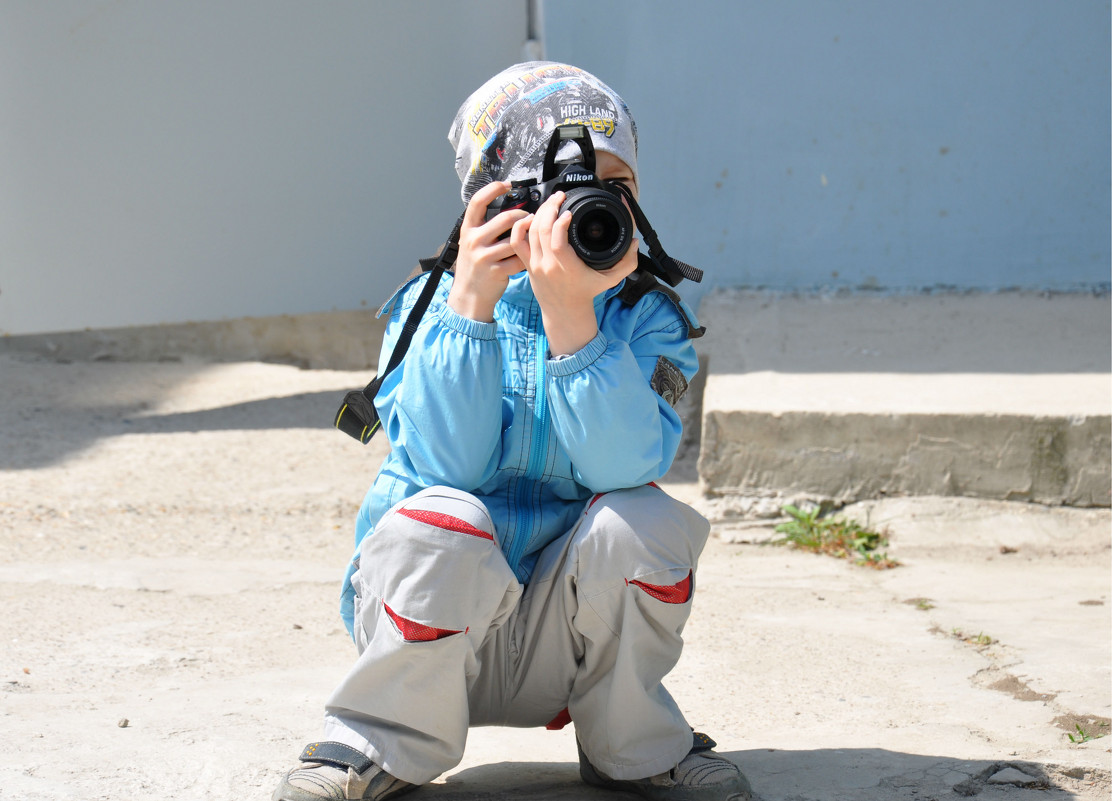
pixel 515 564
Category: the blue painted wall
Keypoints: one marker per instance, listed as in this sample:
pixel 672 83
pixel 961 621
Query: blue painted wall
pixel 865 143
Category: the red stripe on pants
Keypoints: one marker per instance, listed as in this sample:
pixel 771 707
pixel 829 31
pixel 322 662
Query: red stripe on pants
pixel 413 631
pixel 669 593
pixel 446 522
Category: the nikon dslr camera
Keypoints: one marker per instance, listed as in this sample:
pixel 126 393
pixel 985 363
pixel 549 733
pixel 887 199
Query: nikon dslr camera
pixel 601 227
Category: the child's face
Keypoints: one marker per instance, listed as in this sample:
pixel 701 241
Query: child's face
pixel 609 167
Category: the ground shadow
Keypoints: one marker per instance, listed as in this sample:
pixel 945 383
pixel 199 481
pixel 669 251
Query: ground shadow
pixel 305 410
pixel 33 434
pixel 849 774
pixel 875 774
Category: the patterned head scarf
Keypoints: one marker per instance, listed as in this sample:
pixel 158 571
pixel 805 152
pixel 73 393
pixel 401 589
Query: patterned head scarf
pixel 501 131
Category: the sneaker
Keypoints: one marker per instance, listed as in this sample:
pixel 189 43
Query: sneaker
pixel 702 775
pixel 338 772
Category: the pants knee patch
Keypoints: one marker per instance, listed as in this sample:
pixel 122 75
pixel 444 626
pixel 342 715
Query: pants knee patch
pixel 412 631
pixel 445 522
pixel 433 567
pixel 442 509
pixel 678 593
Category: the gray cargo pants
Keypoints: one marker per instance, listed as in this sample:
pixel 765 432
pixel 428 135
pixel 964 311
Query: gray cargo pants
pixel 449 639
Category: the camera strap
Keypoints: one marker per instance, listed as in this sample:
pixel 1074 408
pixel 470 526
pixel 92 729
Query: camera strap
pixel 642 281
pixel 671 270
pixel 357 416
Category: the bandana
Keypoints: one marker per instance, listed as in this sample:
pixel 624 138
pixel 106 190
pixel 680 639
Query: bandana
pixel 501 131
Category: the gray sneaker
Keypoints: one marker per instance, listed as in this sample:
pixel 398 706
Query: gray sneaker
pixel 702 775
pixel 338 772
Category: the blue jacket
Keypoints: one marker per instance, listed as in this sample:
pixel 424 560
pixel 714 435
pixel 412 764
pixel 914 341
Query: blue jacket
pixel 481 407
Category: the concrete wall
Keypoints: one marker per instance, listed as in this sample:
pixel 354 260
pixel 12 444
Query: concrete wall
pixel 865 143
pixel 208 160
pixel 174 161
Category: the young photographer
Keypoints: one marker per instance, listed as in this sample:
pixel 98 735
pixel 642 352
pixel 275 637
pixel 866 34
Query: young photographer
pixel 515 564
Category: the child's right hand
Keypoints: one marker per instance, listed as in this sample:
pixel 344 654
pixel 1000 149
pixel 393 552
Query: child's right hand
pixel 484 263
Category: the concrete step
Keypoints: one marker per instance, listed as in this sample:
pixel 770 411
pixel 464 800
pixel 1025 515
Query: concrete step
pixel 848 397
pixel 335 340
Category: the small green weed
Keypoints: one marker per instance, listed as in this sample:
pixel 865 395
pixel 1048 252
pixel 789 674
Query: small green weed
pixel 980 640
pixel 845 539
pixel 1084 736
pixel 922 604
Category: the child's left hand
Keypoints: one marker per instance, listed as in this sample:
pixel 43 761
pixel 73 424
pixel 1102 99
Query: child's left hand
pixel 564 286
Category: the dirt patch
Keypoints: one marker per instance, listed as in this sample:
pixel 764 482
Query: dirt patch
pixel 1019 690
pixel 1086 782
pixel 922 604
pixel 1084 727
pixel 1017 774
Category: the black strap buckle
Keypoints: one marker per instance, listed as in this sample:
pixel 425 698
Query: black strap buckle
pixel 334 753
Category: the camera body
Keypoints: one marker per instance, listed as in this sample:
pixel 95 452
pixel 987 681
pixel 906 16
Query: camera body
pixel 601 229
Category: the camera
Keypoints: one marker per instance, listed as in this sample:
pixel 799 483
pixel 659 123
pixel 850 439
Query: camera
pixel 601 229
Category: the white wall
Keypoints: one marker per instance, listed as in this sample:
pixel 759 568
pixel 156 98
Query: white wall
pixel 205 159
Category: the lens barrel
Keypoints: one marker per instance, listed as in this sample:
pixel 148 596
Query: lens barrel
pixel 601 228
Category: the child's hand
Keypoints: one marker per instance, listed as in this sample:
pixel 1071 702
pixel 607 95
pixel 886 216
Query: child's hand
pixel 564 286
pixel 484 263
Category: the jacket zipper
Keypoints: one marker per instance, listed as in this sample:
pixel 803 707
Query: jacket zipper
pixel 538 450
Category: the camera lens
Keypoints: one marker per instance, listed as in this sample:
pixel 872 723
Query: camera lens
pixel 601 228
pixel 598 230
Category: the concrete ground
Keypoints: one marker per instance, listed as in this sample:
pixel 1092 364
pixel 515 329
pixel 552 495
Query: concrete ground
pixel 173 534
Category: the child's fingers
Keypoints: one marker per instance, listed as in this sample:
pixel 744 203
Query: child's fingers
pixel 499 251
pixel 519 237
pixel 544 219
pixel 627 265
pixel 509 266
pixel 475 214
pixel 491 230
pixel 560 230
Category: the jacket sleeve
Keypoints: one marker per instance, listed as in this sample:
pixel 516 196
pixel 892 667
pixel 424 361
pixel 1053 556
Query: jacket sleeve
pixel 617 428
pixel 442 407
